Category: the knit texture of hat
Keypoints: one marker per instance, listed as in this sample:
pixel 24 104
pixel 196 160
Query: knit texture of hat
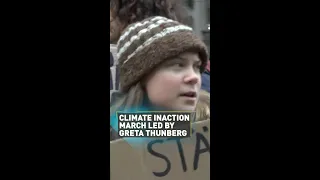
pixel 144 45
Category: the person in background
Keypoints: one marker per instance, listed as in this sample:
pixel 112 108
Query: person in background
pixel 126 12
pixel 161 62
pixel 206 79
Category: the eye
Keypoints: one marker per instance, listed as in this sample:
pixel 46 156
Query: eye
pixel 197 67
pixel 178 64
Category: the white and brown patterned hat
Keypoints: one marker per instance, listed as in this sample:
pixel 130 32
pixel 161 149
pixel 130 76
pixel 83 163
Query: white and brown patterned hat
pixel 144 45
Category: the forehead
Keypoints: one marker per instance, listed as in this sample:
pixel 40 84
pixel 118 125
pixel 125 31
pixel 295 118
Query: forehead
pixel 186 57
pixel 190 56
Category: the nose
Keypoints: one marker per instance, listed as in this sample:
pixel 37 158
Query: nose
pixel 192 77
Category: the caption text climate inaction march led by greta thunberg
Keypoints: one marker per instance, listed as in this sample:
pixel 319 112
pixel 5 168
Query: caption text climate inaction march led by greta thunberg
pixel 154 117
pixel 154 124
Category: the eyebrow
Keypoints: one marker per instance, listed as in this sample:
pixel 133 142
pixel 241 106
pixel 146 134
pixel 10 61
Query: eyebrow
pixel 183 58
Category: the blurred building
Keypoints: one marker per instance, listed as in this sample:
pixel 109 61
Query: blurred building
pixel 200 12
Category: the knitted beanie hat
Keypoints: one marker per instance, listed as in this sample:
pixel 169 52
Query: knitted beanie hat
pixel 144 45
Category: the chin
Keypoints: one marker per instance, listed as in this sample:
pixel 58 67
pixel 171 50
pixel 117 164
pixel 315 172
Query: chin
pixel 185 108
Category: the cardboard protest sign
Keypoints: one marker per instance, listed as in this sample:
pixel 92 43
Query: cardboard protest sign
pixel 125 162
pixel 166 158
pixel 114 70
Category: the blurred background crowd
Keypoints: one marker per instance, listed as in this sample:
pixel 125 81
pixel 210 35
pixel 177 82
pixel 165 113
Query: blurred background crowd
pixel 199 16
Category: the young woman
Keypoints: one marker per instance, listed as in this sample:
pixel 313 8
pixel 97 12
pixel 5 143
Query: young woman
pixel 161 62
pixel 125 12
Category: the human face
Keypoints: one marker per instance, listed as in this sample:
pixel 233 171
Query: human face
pixel 176 83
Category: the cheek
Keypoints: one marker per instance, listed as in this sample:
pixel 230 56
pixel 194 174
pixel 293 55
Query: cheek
pixel 199 83
pixel 162 87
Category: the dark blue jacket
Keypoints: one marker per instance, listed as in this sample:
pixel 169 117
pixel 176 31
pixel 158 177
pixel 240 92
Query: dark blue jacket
pixel 205 85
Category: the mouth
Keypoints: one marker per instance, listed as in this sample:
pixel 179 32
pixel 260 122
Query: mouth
pixel 189 94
